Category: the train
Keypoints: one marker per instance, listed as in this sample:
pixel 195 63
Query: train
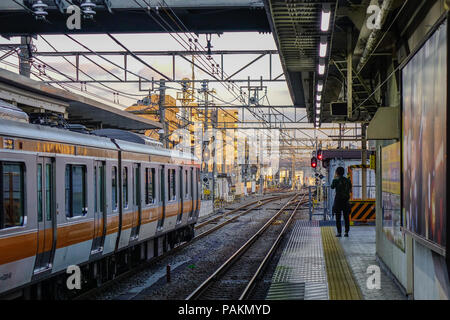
pixel 97 202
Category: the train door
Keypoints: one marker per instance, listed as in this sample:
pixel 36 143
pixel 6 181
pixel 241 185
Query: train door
pixel 45 214
pixel 180 204
pixel 162 196
pixel 137 209
pixel 198 190
pixel 99 207
pixel 193 191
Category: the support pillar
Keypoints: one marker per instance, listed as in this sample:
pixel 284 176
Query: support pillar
pixel 349 74
pixel 364 161
pixel 162 111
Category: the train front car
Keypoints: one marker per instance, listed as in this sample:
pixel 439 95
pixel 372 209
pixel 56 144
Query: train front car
pixel 72 199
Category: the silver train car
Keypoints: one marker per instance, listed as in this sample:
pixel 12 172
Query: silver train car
pixel 70 198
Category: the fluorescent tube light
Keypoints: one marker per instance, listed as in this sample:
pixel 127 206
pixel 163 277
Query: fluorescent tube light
pixel 326 15
pixel 323 47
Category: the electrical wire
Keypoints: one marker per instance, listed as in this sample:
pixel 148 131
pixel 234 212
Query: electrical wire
pixel 170 33
pixel 128 95
pixel 195 44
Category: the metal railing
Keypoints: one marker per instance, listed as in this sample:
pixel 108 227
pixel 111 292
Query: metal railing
pixel 318 202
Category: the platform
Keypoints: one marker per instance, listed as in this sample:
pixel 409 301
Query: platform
pixel 315 265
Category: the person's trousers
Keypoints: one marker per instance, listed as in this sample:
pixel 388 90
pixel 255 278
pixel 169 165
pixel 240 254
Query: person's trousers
pixel 342 208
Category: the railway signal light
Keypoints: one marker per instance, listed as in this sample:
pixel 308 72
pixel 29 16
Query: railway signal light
pixel 319 155
pixel 313 162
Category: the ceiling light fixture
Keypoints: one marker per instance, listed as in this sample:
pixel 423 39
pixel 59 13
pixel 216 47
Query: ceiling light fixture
pixel 323 47
pixel 319 86
pixel 321 66
pixel 326 15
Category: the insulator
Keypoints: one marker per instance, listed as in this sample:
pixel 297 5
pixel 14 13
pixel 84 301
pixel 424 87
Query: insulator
pixel 88 9
pixel 39 10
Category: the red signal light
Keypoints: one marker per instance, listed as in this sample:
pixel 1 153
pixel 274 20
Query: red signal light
pixel 319 155
pixel 313 162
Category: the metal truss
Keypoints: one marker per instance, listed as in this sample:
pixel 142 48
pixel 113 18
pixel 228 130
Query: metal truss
pixel 215 68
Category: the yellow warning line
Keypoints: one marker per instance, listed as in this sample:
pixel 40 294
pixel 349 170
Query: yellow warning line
pixel 341 283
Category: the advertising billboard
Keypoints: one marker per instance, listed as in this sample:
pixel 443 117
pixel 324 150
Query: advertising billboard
pixel 391 196
pixel 424 93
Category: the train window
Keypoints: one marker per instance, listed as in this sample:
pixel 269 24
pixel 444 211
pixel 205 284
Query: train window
pixel 171 183
pixel 149 185
pixel 48 191
pixel 114 188
pixel 13 196
pixel 39 192
pixel 76 204
pixel 125 187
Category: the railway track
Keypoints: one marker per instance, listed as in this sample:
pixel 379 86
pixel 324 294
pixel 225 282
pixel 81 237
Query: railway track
pixel 229 217
pixel 236 277
pixel 258 203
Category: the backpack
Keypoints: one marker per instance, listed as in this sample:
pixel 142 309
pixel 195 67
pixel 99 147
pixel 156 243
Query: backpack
pixel 343 188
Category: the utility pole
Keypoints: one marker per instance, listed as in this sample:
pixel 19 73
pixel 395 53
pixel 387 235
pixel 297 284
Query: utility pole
pixel 162 111
pixel 261 176
pixel 294 181
pixel 293 170
pixel 205 90
pixel 186 97
pixel 25 56
pixel 214 155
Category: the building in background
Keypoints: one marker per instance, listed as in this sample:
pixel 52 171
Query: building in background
pixel 149 108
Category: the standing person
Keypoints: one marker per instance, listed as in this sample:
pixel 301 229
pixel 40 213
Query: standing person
pixel 343 188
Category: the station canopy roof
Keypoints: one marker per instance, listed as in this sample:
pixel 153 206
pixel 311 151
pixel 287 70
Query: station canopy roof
pixel 81 109
pixel 11 112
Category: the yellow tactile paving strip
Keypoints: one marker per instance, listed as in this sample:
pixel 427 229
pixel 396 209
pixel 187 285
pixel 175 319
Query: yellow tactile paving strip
pixel 341 283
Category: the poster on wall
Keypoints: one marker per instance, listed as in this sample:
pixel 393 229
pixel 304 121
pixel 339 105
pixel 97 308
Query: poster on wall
pixel 391 196
pixel 424 85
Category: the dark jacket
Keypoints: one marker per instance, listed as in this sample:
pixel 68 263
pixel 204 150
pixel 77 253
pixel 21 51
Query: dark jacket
pixel 343 188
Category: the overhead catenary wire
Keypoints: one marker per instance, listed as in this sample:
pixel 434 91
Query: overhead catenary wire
pixel 61 85
pixel 174 31
pixel 195 44
pixel 203 48
pixel 92 51
pixel 221 82
pixel 129 95
pixel 75 88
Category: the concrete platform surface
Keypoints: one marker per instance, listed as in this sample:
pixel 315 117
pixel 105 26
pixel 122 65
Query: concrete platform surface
pixel 359 249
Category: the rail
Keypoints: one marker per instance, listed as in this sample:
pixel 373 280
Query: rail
pixel 176 249
pixel 252 283
pixel 197 293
